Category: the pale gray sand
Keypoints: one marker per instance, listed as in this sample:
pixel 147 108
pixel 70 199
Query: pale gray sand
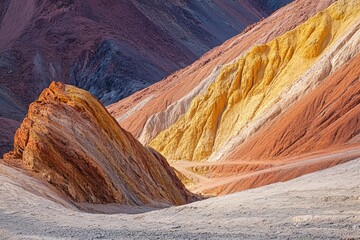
pixel 322 205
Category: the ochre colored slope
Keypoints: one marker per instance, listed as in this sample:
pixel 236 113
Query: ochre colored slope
pixel 327 117
pixel 320 130
pixel 252 84
pixel 69 140
pixel 144 104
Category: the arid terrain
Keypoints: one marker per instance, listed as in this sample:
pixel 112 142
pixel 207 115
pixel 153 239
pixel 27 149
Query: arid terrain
pixel 321 205
pixel 259 138
pixel 262 106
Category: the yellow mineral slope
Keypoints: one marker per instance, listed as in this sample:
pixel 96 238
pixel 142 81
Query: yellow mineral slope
pixel 148 112
pixel 319 131
pixel 254 83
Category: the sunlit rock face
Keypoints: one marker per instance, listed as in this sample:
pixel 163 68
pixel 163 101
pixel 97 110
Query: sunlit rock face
pixel 246 89
pixel 69 140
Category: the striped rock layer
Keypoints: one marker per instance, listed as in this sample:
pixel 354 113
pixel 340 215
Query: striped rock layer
pixel 70 141
pixel 276 102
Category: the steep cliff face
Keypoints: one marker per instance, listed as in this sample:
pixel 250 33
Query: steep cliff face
pixel 69 140
pixel 268 105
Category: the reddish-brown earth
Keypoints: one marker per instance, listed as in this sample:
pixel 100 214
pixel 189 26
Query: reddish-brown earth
pixel 320 130
pixel 327 117
pixel 183 81
pixel 70 141
pixel 224 177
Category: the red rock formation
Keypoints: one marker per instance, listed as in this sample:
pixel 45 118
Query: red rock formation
pixel 282 170
pixel 69 140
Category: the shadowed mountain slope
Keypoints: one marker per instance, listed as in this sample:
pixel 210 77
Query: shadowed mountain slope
pixel 269 6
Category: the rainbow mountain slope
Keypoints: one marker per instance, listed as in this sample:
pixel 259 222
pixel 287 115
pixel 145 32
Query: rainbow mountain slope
pixel 110 48
pixel 259 109
pixel 151 110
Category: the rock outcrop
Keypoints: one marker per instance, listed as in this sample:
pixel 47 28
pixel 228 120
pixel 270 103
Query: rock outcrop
pixel 69 140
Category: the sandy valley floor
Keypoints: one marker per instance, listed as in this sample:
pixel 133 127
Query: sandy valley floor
pixel 322 205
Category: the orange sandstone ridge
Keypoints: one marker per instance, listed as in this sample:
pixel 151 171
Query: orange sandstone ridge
pixel 69 140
